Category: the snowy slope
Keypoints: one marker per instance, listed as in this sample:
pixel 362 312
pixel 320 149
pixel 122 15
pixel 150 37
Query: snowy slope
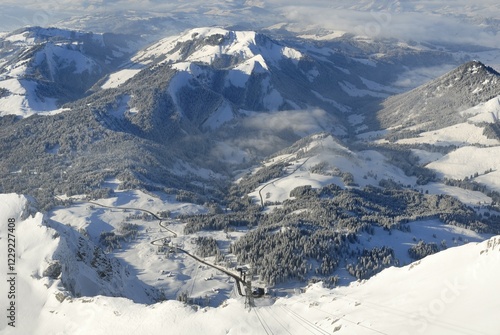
pixel 460 134
pixel 44 246
pixel 43 68
pixel 201 56
pixel 22 99
pixel 243 44
pixel 451 124
pixel 432 296
pixel 441 102
pixel 324 162
pixel 428 297
pixel 476 152
pixel 470 132
pixel 32 258
pixel 480 164
pixel 118 78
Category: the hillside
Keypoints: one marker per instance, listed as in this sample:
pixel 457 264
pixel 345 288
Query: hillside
pixel 451 127
pixel 439 103
pixel 43 68
pixel 416 302
pixel 222 99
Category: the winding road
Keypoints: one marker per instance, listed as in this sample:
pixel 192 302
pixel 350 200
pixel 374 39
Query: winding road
pixel 160 242
pixel 279 178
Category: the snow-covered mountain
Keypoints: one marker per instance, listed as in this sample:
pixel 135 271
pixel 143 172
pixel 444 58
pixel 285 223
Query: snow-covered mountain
pixel 217 96
pixel 43 68
pixel 244 77
pixel 52 251
pixel 240 72
pixel 439 103
pixel 450 123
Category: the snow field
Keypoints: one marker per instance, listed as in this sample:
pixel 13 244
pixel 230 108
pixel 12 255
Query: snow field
pixel 399 300
pixel 467 161
pixel 22 99
pixel 367 168
pixel 118 78
pixel 459 135
pixel 35 245
pixel 172 273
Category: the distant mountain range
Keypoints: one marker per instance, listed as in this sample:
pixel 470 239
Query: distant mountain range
pixel 219 98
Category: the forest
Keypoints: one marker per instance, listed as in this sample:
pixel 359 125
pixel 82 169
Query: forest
pixel 313 233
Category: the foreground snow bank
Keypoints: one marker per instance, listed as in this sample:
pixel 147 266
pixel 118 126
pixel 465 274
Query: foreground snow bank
pixel 49 260
pixel 35 245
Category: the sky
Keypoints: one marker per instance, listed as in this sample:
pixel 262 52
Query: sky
pixel 458 21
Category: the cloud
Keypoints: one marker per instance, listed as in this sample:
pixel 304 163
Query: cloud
pixel 456 21
pixel 301 122
pixel 406 25
pixel 262 134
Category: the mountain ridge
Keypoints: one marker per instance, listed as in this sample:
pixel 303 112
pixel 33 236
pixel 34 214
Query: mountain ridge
pixel 43 68
pixel 214 114
pixel 466 86
pixel 253 151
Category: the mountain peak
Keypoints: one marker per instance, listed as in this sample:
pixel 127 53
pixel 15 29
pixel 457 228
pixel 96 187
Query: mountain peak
pixel 212 44
pixel 475 67
pixel 36 35
pixel 439 102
